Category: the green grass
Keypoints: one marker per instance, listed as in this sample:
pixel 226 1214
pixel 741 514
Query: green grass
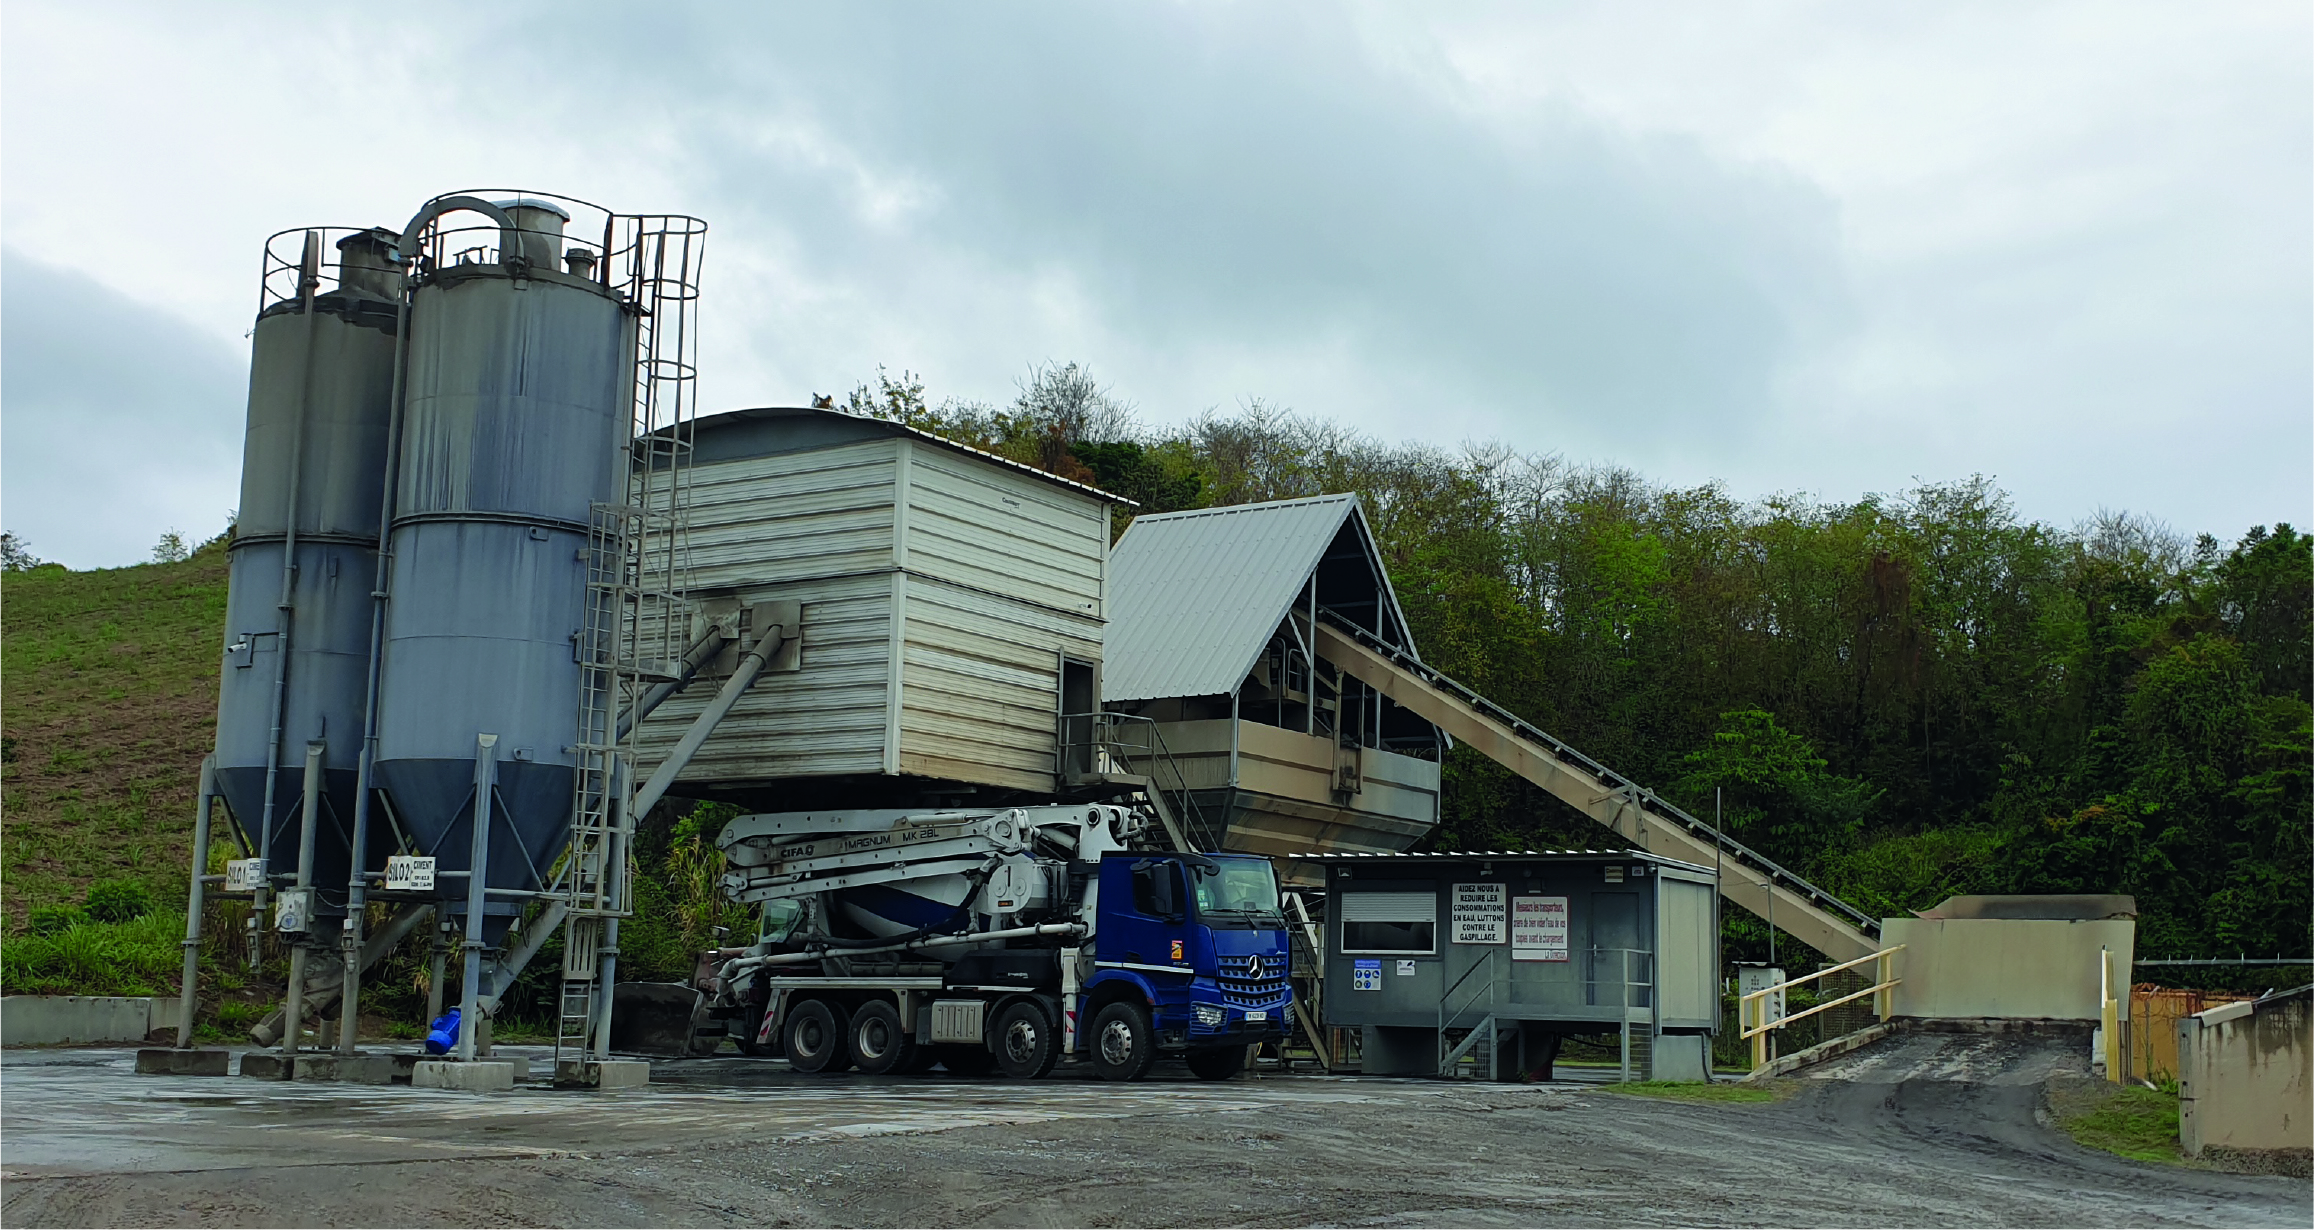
pixel 139 957
pixel 1694 1091
pixel 110 704
pixel 2134 1122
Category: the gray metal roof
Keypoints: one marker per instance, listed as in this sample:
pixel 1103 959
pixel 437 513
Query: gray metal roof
pixel 1194 596
pixel 764 430
pixel 1620 856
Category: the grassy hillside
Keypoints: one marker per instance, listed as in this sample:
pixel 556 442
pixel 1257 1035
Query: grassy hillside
pixel 108 702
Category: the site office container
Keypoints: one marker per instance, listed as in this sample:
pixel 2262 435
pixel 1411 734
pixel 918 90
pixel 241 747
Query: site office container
pixel 1557 942
pixel 943 593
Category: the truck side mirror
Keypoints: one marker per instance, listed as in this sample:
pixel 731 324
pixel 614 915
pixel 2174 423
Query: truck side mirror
pixel 1155 890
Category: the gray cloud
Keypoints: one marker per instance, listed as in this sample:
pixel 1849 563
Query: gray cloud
pixel 1806 250
pixel 120 420
pixel 1262 180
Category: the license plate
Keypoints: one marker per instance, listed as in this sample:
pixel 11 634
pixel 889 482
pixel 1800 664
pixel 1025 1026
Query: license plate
pixel 1257 1014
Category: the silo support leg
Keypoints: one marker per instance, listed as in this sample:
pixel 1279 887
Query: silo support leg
pixel 308 821
pixel 188 985
pixel 477 881
pixel 322 991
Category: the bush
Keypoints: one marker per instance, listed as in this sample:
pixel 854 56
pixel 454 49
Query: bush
pixel 50 919
pixel 118 901
pixel 138 957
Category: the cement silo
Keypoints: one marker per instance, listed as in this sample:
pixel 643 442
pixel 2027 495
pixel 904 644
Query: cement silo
pixel 518 409
pixel 305 545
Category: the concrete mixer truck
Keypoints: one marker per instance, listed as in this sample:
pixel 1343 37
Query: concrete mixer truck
pixel 1004 938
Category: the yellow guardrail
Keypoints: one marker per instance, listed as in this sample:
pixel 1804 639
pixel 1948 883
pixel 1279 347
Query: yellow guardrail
pixel 1752 1010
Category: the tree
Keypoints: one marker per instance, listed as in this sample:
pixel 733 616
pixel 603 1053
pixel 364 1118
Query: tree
pixel 1773 790
pixel 171 549
pixel 16 555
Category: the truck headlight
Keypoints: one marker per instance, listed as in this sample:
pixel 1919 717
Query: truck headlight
pixel 1210 1014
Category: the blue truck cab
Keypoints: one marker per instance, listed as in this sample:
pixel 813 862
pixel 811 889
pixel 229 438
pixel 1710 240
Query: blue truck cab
pixel 1190 958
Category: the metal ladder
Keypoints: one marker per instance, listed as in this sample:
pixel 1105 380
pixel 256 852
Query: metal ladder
pixel 638 619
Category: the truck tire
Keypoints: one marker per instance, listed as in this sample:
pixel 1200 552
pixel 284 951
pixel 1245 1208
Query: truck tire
pixel 1124 1045
pixel 815 1037
pixel 963 1059
pixel 1217 1063
pixel 1026 1044
pixel 878 1046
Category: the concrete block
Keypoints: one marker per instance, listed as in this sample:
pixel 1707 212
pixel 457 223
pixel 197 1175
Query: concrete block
pixel 268 1065
pixel 46 1020
pixel 169 1061
pixel 481 1075
pixel 608 1074
pixel 351 1069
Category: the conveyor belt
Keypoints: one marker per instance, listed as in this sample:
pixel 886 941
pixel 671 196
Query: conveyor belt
pixel 1749 878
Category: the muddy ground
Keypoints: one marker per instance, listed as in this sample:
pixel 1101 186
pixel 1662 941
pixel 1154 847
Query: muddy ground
pixel 1949 1133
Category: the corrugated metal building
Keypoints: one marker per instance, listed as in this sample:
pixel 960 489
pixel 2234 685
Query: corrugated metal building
pixel 1210 640
pixel 945 594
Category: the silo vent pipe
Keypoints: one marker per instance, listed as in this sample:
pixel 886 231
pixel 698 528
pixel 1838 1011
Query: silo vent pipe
pixel 750 665
pixel 695 660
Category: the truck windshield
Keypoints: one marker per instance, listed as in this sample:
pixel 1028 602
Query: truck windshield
pixel 1240 887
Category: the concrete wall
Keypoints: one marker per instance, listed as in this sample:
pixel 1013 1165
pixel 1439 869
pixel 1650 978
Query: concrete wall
pixel 2246 1081
pixel 2028 969
pixel 46 1020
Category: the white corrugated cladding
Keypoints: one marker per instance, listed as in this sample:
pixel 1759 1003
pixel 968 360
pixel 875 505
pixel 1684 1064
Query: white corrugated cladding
pixel 1004 576
pixel 816 527
pixel 1194 596
pixel 940 588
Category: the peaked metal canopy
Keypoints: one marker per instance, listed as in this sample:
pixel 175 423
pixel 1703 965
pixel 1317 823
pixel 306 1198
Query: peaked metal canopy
pixel 1194 597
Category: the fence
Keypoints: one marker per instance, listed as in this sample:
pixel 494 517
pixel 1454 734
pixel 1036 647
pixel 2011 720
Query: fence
pixel 1753 1012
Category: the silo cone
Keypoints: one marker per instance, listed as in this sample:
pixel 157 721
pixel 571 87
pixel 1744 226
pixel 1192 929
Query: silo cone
pixel 339 451
pixel 515 424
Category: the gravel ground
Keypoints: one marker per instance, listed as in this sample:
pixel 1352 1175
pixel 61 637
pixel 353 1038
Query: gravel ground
pixel 1949 1133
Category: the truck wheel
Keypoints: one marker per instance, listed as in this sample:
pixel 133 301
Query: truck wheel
pixel 1123 1044
pixel 1025 1042
pixel 966 1060
pixel 878 1046
pixel 815 1037
pixel 1217 1063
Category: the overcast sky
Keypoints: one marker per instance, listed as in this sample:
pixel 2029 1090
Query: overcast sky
pixel 1799 247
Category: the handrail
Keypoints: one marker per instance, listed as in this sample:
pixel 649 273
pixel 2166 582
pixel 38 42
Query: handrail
pixel 1100 720
pixel 1759 1033
pixel 1639 795
pixel 1626 985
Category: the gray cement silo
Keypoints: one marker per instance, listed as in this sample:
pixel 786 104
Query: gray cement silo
pixel 305 545
pixel 517 413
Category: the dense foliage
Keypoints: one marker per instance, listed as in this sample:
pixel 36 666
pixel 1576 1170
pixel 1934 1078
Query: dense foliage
pixel 1904 696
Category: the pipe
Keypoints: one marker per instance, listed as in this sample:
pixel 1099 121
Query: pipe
pixel 509 239
pixel 696 659
pixel 750 665
pixel 437 967
pixel 398 925
pixel 745 964
pixel 358 887
pixel 308 283
pixel 293 1009
pixel 188 983
pixel 510 965
pixel 607 971
pixel 477 880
